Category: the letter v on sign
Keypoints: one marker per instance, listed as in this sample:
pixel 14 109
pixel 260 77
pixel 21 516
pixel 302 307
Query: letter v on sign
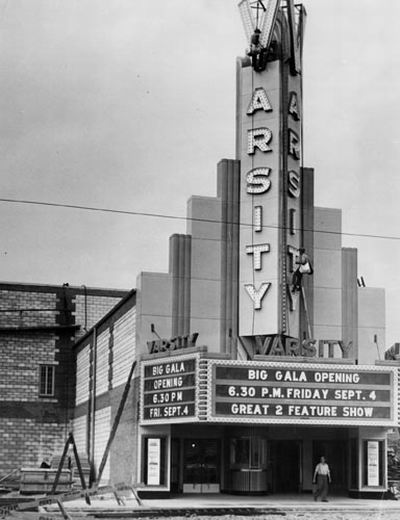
pixel 266 23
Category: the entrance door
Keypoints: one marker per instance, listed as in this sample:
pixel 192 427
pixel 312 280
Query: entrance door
pixel 175 465
pixel 201 466
pixel 335 453
pixel 286 468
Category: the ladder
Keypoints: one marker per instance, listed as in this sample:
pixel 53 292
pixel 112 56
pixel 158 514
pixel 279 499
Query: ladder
pixel 303 294
pixel 70 441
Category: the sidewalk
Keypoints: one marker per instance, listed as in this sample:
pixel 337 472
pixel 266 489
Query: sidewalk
pixel 216 504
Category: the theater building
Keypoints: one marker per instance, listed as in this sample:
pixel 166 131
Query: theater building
pixel 242 382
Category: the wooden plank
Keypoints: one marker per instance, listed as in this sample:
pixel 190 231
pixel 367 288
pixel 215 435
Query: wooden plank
pixel 33 515
pixel 65 497
pixel 64 513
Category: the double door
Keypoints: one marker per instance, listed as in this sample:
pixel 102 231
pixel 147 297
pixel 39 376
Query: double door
pixel 201 466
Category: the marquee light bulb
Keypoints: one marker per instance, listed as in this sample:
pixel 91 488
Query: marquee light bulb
pixel 268 22
pixel 247 19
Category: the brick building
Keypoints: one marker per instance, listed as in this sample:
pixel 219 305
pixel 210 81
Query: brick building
pixel 104 359
pixel 38 326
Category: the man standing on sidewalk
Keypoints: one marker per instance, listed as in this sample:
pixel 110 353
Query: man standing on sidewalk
pixel 322 477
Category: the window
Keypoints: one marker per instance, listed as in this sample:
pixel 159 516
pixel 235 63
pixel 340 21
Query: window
pixel 46 381
pixel 248 452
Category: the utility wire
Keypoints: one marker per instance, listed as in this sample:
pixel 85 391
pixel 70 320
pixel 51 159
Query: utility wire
pixel 181 218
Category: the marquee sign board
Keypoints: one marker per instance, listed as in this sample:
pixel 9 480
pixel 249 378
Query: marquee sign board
pixel 298 393
pixel 169 390
pixel 260 201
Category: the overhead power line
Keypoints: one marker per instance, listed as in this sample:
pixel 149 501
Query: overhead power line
pixel 182 218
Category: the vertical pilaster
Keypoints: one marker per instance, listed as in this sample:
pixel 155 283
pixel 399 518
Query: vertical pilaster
pixel 307 205
pixel 228 192
pixel 180 269
pixel 350 300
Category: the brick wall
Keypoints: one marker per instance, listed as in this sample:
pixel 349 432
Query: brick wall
pixel 27 309
pixel 19 364
pixel 24 350
pixel 97 307
pixel 114 338
pixel 26 442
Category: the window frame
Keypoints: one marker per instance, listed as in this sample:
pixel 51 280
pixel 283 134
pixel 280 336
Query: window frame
pixel 255 450
pixel 46 372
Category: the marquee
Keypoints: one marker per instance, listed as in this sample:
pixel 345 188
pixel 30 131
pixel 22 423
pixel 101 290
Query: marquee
pixel 302 393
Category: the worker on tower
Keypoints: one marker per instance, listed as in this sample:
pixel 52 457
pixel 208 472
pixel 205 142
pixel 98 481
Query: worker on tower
pixel 257 52
pixel 255 46
pixel 304 267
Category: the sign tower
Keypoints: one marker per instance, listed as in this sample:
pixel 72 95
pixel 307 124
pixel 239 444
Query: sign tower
pixel 269 147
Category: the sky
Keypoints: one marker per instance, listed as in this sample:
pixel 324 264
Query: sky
pixel 129 105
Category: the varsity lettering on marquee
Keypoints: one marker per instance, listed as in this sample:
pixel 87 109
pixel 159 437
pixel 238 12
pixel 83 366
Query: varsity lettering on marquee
pixel 258 183
pixel 270 201
pixel 259 236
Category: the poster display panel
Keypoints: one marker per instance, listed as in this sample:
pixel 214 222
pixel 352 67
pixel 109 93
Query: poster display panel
pixel 153 461
pixel 373 463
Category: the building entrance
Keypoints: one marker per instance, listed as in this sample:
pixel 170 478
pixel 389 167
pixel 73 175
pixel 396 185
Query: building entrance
pixel 286 466
pixel 335 453
pixel 201 466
